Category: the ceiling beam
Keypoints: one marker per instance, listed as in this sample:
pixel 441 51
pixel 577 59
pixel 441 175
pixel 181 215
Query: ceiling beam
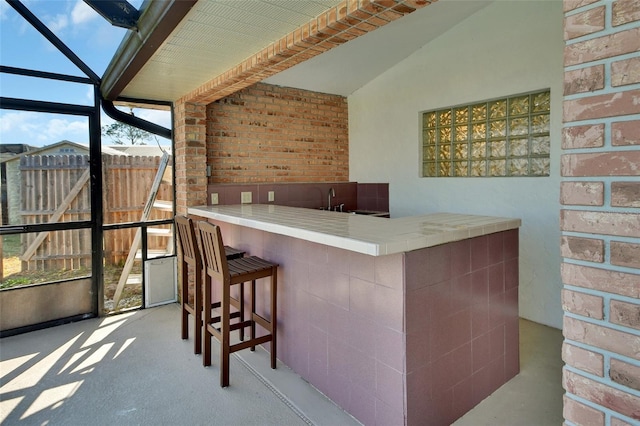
pixel 338 25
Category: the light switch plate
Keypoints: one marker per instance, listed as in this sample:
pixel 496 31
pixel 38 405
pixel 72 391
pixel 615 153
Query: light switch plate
pixel 271 195
pixel 245 197
pixel 214 198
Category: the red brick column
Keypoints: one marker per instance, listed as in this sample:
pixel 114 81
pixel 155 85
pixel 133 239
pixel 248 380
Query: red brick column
pixel 600 217
pixel 190 155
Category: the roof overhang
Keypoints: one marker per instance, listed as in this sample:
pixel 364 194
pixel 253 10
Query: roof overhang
pixel 202 50
pixel 157 21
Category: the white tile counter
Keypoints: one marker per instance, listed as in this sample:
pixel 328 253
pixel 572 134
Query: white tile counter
pixel 359 233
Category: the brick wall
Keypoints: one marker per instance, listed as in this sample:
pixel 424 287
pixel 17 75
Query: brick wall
pixel 190 155
pixel 267 133
pixel 600 217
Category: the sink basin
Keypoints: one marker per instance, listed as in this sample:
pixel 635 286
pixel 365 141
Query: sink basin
pixel 359 212
pixel 369 213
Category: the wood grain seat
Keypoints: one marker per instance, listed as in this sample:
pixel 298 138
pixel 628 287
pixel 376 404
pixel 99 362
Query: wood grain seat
pixel 249 266
pixel 189 256
pixel 227 273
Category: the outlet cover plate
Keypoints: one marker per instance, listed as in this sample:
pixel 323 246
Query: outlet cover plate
pixel 271 196
pixel 214 198
pixel 245 197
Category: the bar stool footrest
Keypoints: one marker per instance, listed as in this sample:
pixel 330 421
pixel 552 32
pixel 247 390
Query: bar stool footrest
pixel 216 320
pixel 263 322
pixel 249 343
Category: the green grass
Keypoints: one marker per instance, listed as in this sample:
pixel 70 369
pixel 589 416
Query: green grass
pixel 11 245
pixel 14 282
pixel 15 277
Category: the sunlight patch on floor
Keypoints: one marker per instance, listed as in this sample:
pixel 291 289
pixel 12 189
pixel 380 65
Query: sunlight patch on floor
pixel 87 365
pixel 34 374
pixel 124 346
pixel 107 326
pixel 52 398
pixel 9 365
pixel 7 406
pixel 74 358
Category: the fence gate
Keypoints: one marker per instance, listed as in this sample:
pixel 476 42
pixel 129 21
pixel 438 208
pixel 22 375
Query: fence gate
pixel 55 188
pixel 135 252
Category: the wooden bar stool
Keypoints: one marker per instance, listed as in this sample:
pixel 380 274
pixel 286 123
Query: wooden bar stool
pixel 228 273
pixel 190 255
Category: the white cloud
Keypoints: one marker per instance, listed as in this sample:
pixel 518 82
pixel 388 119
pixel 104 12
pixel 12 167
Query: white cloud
pixel 4 6
pixel 14 21
pixel 105 120
pixel 12 121
pixel 82 13
pixel 90 93
pixel 57 23
pixel 38 130
pixel 161 118
pixel 58 129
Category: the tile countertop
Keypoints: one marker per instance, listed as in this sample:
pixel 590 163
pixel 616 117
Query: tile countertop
pixel 374 236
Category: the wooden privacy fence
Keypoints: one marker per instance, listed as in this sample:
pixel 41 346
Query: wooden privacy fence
pixel 48 184
pixel 127 182
pixel 55 188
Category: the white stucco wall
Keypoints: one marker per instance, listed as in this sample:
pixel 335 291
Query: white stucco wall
pixel 509 47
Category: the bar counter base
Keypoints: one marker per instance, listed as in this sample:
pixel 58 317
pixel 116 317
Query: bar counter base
pixel 413 338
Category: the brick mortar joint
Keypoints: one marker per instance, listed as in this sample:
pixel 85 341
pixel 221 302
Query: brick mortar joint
pixel 607 63
pixel 606 239
pixel 608 90
pixel 617 149
pixel 593 209
pixel 607 122
pixel 589 404
pixel 602 267
pixel 608 30
pixel 595 349
pixel 605 380
pixel 604 323
pixel 584 8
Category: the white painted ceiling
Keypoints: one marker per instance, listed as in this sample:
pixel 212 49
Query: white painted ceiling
pixel 350 66
pixel 216 35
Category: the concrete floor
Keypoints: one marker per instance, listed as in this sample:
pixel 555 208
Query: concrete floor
pixel 134 369
pixel 533 397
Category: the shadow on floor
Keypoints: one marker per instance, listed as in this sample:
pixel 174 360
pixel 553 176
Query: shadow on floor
pixel 134 369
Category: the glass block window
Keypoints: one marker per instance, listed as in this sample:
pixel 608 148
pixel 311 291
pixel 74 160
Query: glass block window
pixel 501 137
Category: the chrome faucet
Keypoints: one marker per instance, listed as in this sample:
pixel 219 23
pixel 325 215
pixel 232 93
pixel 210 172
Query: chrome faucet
pixel 332 193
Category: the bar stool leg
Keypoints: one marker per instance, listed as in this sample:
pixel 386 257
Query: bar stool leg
pixel 185 293
pixel 197 317
pixel 206 295
pixel 274 319
pixel 253 311
pixel 225 336
pixel 241 309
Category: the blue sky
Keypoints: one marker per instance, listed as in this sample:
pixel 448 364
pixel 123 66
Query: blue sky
pixel 89 36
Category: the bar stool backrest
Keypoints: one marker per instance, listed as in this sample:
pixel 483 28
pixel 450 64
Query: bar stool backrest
pixel 187 241
pixel 212 247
